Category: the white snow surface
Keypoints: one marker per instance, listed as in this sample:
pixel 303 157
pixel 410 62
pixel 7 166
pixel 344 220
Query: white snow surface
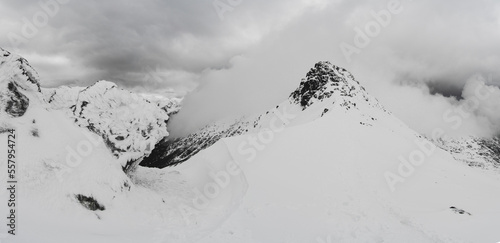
pixel 319 177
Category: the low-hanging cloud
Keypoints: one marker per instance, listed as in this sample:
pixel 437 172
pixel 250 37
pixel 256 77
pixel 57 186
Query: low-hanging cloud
pixel 417 66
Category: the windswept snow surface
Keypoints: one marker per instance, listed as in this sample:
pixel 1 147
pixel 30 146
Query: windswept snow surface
pixel 324 181
pixel 73 188
pixel 64 161
pixel 342 170
pixel 319 179
pixel 345 178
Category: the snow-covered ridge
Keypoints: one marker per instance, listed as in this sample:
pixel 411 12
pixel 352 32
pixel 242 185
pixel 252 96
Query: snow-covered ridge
pixel 129 124
pixel 76 149
pixel 324 88
pixel 16 68
pixel 16 77
pixel 170 105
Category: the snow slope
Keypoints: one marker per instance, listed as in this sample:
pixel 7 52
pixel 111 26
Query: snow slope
pixel 325 181
pixel 325 85
pixel 64 163
pixel 328 165
pixel 343 169
pixel 129 124
pixel 71 186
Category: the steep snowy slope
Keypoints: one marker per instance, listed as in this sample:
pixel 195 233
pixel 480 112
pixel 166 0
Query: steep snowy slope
pixel 129 124
pixel 72 188
pixel 141 118
pixel 337 167
pixel 335 180
pixel 16 76
pixel 325 86
pixel 114 113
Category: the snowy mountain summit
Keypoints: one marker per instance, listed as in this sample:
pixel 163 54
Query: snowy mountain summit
pixel 17 76
pixel 324 88
pixel 325 80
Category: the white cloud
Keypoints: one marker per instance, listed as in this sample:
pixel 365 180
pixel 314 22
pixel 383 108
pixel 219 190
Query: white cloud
pixel 427 43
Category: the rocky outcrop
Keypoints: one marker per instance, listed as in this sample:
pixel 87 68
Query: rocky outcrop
pixel 18 81
pixel 16 103
pixel 315 84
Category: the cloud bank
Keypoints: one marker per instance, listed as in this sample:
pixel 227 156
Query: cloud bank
pixel 419 65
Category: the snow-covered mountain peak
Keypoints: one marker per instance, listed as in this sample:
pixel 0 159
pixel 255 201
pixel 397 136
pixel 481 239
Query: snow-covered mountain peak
pixel 325 89
pixel 323 81
pixel 102 85
pixel 319 83
pixel 18 84
pixel 128 123
pixel 333 86
pixel 16 68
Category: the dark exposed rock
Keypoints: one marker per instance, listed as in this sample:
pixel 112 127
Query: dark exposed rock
pixel 314 84
pixel 18 103
pixel 29 72
pixel 172 152
pixel 34 132
pixel 459 211
pixel 89 203
pixel 491 149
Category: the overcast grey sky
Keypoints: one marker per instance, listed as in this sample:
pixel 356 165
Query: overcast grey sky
pixel 262 48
